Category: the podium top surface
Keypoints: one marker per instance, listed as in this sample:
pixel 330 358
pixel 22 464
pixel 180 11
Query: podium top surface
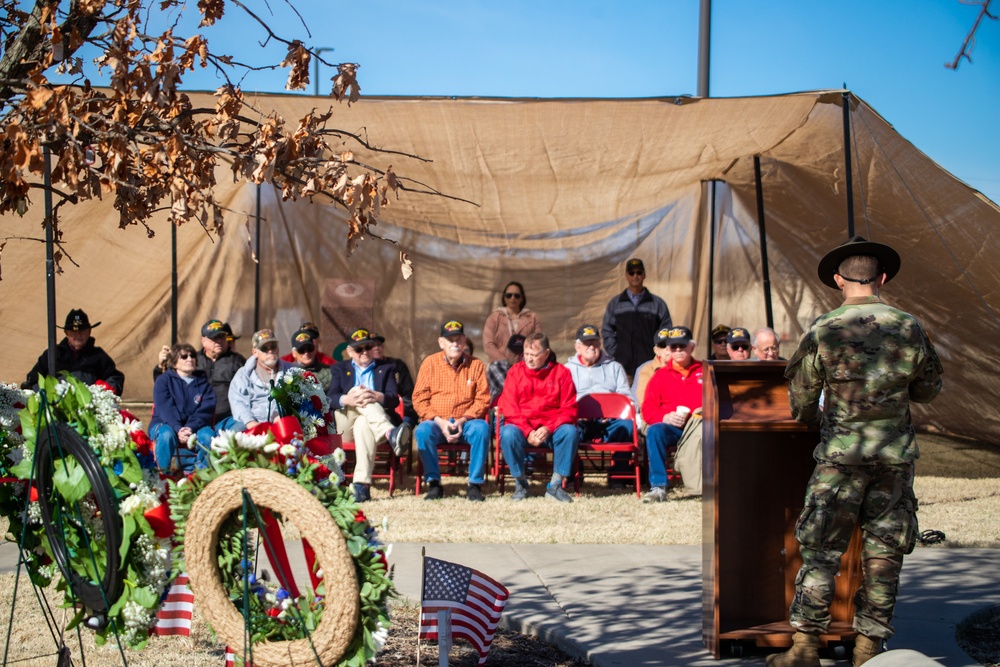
pixel 749 395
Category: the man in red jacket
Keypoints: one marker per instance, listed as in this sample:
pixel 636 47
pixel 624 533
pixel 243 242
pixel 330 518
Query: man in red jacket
pixel 672 394
pixel 538 405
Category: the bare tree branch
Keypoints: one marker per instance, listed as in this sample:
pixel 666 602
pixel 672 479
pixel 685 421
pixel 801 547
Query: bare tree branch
pixel 970 39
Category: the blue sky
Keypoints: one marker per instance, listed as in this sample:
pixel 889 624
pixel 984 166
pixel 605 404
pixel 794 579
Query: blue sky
pixel 891 53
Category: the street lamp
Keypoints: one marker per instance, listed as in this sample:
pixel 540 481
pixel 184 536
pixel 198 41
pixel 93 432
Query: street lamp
pixel 316 53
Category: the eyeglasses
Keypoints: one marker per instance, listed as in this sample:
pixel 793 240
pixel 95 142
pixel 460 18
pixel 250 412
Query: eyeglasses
pixel 720 341
pixel 740 346
pixel 270 347
pixel 637 273
pixel 661 345
pixel 677 348
pixel 364 348
pixel 305 348
pixel 768 349
pixel 185 355
pixel 512 295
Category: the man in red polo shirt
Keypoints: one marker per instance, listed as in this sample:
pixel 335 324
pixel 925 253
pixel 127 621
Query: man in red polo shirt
pixel 672 395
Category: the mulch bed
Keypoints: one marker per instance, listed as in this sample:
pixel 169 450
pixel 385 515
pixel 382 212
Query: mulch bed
pixel 509 649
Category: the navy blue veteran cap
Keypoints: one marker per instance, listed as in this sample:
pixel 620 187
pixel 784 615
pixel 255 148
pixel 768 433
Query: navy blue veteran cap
pixel 452 328
pixel 678 336
pixel 661 337
pixel 737 335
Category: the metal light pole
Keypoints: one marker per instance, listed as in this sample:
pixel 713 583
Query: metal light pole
pixel 318 51
pixel 704 46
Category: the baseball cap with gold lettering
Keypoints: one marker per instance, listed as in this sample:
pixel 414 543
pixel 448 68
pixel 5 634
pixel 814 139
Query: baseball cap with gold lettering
pixel 262 338
pixel 738 335
pixel 587 332
pixel 452 328
pixel 302 338
pixel 213 328
pixel 360 337
pixel 678 336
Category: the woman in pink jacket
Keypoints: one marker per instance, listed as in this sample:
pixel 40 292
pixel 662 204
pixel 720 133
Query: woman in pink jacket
pixel 512 317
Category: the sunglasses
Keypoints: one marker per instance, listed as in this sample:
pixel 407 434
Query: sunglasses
pixel 719 341
pixel 512 295
pixel 185 355
pixel 306 348
pixel 270 347
pixel 740 346
pixel 637 273
pixel 677 348
pixel 661 345
pixel 364 348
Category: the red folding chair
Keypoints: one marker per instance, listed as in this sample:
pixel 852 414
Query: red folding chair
pixel 386 465
pixel 540 459
pixel 596 455
pixel 451 463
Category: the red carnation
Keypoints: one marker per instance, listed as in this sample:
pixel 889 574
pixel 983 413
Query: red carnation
pixel 104 385
pixel 360 517
pixel 143 445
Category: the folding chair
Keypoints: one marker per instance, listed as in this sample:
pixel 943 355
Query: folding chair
pixel 386 465
pixel 540 459
pixel 597 454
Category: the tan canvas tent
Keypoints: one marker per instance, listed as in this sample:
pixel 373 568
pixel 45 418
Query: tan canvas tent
pixel 562 192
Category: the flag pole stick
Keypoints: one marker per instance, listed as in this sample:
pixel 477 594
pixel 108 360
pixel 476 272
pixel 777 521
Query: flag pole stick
pixel 420 610
pixel 444 637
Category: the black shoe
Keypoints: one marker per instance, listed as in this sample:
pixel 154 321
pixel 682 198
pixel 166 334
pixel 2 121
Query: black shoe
pixel 362 493
pixel 475 493
pixel 435 492
pixel 399 438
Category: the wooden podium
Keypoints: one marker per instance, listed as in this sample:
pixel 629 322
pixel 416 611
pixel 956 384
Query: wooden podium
pixel 757 462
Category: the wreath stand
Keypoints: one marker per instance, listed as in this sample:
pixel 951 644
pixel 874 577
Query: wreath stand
pixel 58 442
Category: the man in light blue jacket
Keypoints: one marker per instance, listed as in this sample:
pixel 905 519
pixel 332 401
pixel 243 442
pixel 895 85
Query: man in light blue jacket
pixel 250 390
pixel 595 372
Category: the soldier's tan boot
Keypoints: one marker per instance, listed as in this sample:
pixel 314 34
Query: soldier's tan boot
pixel 804 652
pixel 866 648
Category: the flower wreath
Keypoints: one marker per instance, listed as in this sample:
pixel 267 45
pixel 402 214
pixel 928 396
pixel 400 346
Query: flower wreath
pixel 115 437
pixel 275 614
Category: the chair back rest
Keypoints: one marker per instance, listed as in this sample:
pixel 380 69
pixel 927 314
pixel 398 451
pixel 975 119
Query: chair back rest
pixel 605 406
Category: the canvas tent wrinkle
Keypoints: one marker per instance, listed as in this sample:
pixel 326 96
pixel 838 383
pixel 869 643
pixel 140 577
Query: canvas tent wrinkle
pixel 556 194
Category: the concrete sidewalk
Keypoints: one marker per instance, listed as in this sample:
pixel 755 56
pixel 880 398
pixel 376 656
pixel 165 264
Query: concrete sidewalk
pixel 641 605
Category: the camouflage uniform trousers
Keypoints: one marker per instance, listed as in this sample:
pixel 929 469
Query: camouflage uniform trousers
pixel 881 498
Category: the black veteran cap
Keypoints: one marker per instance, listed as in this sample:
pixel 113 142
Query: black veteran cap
pixel 888 260
pixel 361 337
pixel 516 343
pixel 634 264
pixel 302 338
pixel 737 335
pixel 229 332
pixel 452 328
pixel 213 328
pixel 311 328
pixel 719 330
pixel 77 320
pixel 678 336
pixel 661 337
pixel 587 332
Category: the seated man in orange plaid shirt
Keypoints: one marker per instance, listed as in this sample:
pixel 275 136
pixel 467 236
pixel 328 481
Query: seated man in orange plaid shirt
pixel 451 398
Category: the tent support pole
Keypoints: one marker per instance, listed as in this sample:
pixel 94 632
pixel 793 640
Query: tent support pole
pixel 711 253
pixel 173 284
pixel 704 46
pixel 848 177
pixel 763 241
pixel 256 278
pixel 50 264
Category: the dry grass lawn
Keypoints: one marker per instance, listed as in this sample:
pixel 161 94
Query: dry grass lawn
pixel 958 484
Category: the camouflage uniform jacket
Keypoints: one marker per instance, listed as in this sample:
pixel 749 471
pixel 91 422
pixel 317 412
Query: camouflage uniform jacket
pixel 869 360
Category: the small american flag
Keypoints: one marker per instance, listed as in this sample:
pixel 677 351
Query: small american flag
pixel 230 658
pixel 174 617
pixel 475 600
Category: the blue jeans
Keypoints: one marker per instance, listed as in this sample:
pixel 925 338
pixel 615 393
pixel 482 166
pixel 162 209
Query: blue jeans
pixel 475 434
pixel 563 443
pixel 166 446
pixel 658 438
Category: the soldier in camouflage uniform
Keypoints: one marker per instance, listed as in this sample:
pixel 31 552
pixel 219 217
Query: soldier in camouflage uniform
pixel 854 374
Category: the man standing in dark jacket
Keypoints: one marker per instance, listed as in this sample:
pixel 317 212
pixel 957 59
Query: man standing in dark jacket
pixel 632 319
pixel 77 354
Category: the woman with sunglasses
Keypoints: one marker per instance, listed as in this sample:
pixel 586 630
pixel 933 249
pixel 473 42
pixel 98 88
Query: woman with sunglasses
pixel 512 317
pixel 183 406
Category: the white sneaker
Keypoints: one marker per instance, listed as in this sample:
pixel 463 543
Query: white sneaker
pixel 656 495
